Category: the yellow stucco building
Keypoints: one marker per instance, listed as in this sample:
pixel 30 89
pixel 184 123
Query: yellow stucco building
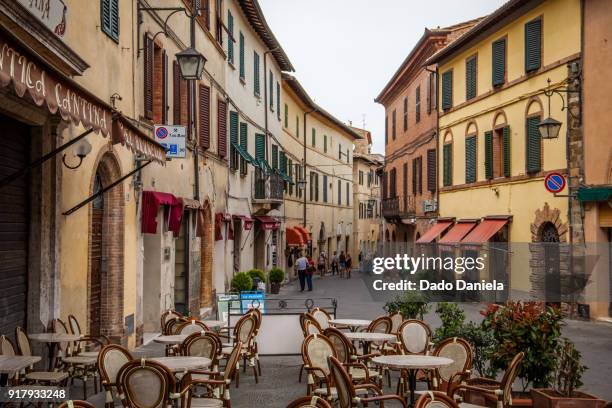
pixel 492 158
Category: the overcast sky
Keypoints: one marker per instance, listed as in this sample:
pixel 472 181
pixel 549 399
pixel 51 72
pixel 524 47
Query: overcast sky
pixel 345 51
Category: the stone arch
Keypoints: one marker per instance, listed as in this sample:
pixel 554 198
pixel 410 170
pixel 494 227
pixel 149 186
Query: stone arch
pixel 534 107
pixel 544 215
pixel 207 293
pixel 471 129
pixel 499 119
pixel 448 137
pixel 109 314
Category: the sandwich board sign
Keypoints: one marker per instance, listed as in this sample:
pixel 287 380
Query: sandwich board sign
pixel 173 139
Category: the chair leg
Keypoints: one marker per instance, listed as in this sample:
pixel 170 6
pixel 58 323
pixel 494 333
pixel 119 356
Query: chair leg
pixel 301 371
pixel 255 372
pixel 258 365
pixel 84 388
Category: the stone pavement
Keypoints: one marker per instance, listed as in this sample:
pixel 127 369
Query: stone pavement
pixel 279 383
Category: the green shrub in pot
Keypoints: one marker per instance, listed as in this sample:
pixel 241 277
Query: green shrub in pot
pixel 242 282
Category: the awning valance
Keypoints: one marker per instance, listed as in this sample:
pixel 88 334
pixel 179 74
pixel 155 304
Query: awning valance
pixel 457 232
pixel 435 231
pixel 151 201
pixel 594 193
pixel 484 231
pixel 74 104
pixel 263 164
pixel 305 233
pixel 294 237
pixel 247 221
pixel 267 223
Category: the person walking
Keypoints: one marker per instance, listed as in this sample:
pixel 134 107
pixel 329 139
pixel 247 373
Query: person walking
pixel 349 265
pixel 321 263
pixel 309 272
pixel 301 264
pixel 334 264
pixel 342 263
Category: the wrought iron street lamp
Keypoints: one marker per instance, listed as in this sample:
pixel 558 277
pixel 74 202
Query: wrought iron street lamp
pixel 191 64
pixel 81 150
pixel 549 128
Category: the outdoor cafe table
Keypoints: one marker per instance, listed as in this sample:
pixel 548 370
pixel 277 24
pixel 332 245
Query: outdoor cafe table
pixel 52 340
pixel 367 337
pixel 183 363
pixel 13 364
pixel 215 325
pixel 171 339
pixel 352 324
pixel 412 363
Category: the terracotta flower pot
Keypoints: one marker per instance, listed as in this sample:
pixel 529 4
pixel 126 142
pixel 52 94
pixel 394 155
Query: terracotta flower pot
pixel 548 398
pixel 275 287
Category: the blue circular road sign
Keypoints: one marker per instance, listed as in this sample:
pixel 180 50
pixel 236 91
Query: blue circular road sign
pixel 554 182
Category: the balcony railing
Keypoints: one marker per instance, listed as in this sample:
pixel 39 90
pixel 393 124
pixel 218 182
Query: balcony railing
pixel 267 187
pixel 398 207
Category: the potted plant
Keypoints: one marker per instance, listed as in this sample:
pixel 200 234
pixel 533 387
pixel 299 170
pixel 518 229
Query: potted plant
pixel 276 276
pixel 242 282
pixel 257 275
pixel 567 378
pixel 412 305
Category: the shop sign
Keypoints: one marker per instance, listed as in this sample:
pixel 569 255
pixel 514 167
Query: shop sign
pixel 52 13
pixel 173 139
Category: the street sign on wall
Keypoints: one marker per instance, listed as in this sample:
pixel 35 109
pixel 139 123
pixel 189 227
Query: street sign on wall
pixel 173 139
pixel 554 182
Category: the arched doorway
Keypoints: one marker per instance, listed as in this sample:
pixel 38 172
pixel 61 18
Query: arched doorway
pixel 106 247
pixel 549 236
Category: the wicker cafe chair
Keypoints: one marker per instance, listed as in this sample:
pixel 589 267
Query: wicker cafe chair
pixel 37 377
pixel 203 344
pixel 485 391
pixel 190 327
pixel 244 330
pixel 110 360
pixel 146 384
pixel 435 399
pixel 256 312
pixel 315 350
pixel 76 404
pixel 347 354
pixel 350 395
pixel 88 346
pixel 458 350
pixel 415 337
pixel 7 349
pixel 396 321
pixel 382 324
pixel 78 367
pixel 321 316
pixel 309 326
pixel 166 317
pixel 216 384
pixel 309 402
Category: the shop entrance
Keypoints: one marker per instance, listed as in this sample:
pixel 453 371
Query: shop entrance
pixel 96 260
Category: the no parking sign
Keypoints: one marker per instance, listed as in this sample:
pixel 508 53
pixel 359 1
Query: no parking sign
pixel 173 140
pixel 554 182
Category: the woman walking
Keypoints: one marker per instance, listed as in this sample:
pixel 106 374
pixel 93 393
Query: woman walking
pixel 321 263
pixel 349 265
pixel 342 264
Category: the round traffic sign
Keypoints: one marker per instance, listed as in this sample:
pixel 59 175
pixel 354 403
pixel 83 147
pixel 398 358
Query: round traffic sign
pixel 554 182
pixel 161 132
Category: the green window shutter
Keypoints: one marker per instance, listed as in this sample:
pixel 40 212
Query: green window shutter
pixel 499 62
pixel 286 116
pixel 470 78
pixel 448 164
pixel 325 143
pixel 506 147
pixel 230 42
pixel 534 145
pixel 339 192
pixel 348 194
pixel 488 154
pixel 447 90
pixel 314 137
pixel 278 112
pixel 241 51
pixel 109 18
pixel 256 73
pixel 233 119
pixel 297 126
pixel 244 143
pixel 533 45
pixel 274 156
pixel 271 90
pixel 470 159
pixel 283 162
pixel 324 188
pixel 260 146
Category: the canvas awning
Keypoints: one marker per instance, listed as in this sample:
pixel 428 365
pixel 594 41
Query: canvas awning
pixel 457 232
pixel 246 220
pixel 594 193
pixel 434 231
pixel 294 237
pixel 61 95
pixel 485 230
pixel 305 233
pixel 244 154
pixel 267 223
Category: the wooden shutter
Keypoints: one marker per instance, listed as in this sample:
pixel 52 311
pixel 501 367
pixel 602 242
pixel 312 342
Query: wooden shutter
pixel 470 159
pixel 233 130
pixel 488 136
pixel 282 159
pixel 286 116
pixel 148 76
pixel 230 42
pixel 470 78
pixel 325 143
pixel 429 89
pixel 414 176
pixel 314 137
pixel 534 145
pixel 405 183
pixel 339 192
pixel 164 107
pixel 105 15
pixel 114 19
pixel 393 124
pixel 448 164
pixel 260 146
pixel 499 62
pixel 256 72
pixel 533 45
pixel 176 93
pixel 420 170
pixel 506 149
pixel 417 107
pixel 386 129
pixel 274 156
pixel 241 51
pixel 222 128
pixel 348 194
pixel 405 114
pixel 271 91
pixel 244 143
pixel 325 188
pixel 204 108
pixel 278 112
pixel 447 90
pixel 431 170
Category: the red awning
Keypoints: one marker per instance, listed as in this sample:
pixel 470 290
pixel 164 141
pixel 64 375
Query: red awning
pixel 247 221
pixel 267 222
pixel 151 201
pixel 457 232
pixel 434 232
pixel 484 231
pixel 305 233
pixel 294 237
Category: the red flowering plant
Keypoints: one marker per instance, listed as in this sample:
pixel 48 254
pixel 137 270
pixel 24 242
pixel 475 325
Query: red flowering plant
pixel 530 327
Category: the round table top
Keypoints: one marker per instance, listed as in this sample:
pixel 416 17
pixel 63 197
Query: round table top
pixel 412 361
pixel 171 339
pixel 215 324
pixel 374 336
pixel 183 363
pixel 53 337
pixel 350 322
pixel 12 364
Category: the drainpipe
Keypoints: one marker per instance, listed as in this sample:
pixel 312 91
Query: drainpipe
pixel 438 165
pixel 304 163
pixel 265 69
